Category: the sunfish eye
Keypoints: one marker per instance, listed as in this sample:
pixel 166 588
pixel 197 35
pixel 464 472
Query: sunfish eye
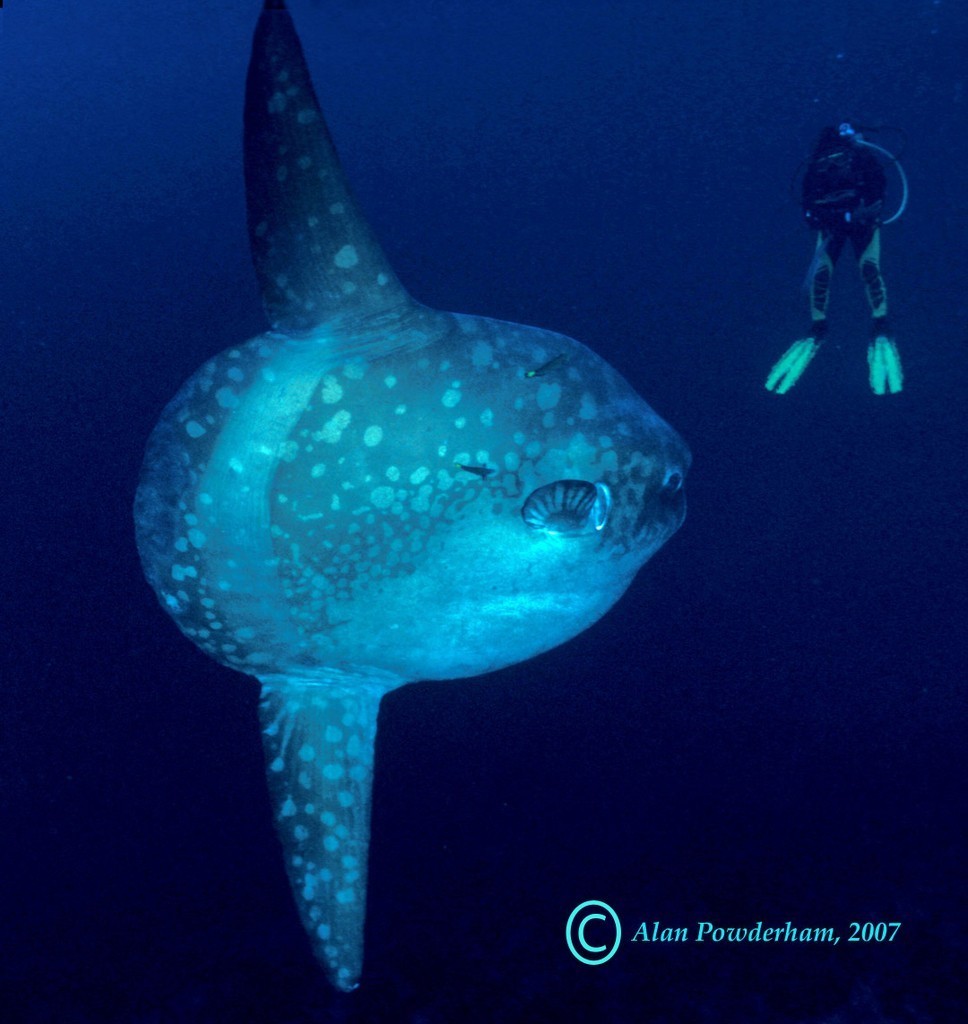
pixel 568 508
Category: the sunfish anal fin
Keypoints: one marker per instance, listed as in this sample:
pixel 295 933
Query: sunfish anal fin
pixel 319 742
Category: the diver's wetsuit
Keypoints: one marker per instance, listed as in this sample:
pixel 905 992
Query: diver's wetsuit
pixel 843 197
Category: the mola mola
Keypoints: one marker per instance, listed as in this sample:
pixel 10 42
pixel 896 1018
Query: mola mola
pixel 374 492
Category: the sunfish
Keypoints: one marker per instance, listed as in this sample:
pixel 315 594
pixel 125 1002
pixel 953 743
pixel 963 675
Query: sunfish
pixel 374 492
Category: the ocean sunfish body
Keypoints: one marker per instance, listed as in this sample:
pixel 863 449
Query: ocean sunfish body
pixel 374 492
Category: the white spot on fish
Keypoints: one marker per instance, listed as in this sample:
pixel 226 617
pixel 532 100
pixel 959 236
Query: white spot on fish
pixel 306 116
pixel 332 390
pixel 333 429
pixel 482 354
pixel 194 429
pixel 346 257
pixel 372 436
pixel 588 410
pixel 548 395
pixel 451 398
pixel 288 451
pixel 422 502
pixel 382 497
pixel 227 398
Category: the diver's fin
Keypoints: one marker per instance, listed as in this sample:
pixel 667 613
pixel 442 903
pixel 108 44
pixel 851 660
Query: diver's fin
pixel 790 366
pixel 884 363
pixel 315 256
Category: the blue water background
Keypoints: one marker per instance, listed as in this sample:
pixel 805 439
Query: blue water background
pixel 770 725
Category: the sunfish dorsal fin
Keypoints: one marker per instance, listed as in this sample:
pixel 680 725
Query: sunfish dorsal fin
pixel 315 256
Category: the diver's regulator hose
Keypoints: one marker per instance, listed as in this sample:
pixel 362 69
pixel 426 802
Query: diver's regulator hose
pixel 847 130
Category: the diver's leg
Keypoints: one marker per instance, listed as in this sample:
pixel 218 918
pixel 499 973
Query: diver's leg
pixel 868 246
pixel 883 360
pixel 829 247
pixel 788 369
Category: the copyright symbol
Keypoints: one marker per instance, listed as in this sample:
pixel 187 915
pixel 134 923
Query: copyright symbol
pixel 581 917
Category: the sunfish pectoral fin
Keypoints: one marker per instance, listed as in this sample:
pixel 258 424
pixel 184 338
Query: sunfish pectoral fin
pixel 314 254
pixel 319 742
pixel 568 508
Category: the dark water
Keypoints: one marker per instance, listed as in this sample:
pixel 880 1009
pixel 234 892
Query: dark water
pixel 769 726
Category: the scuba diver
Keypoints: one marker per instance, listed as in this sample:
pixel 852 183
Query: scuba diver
pixel 842 197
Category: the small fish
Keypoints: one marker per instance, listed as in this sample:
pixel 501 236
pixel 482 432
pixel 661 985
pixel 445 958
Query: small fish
pixel 482 471
pixel 547 367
